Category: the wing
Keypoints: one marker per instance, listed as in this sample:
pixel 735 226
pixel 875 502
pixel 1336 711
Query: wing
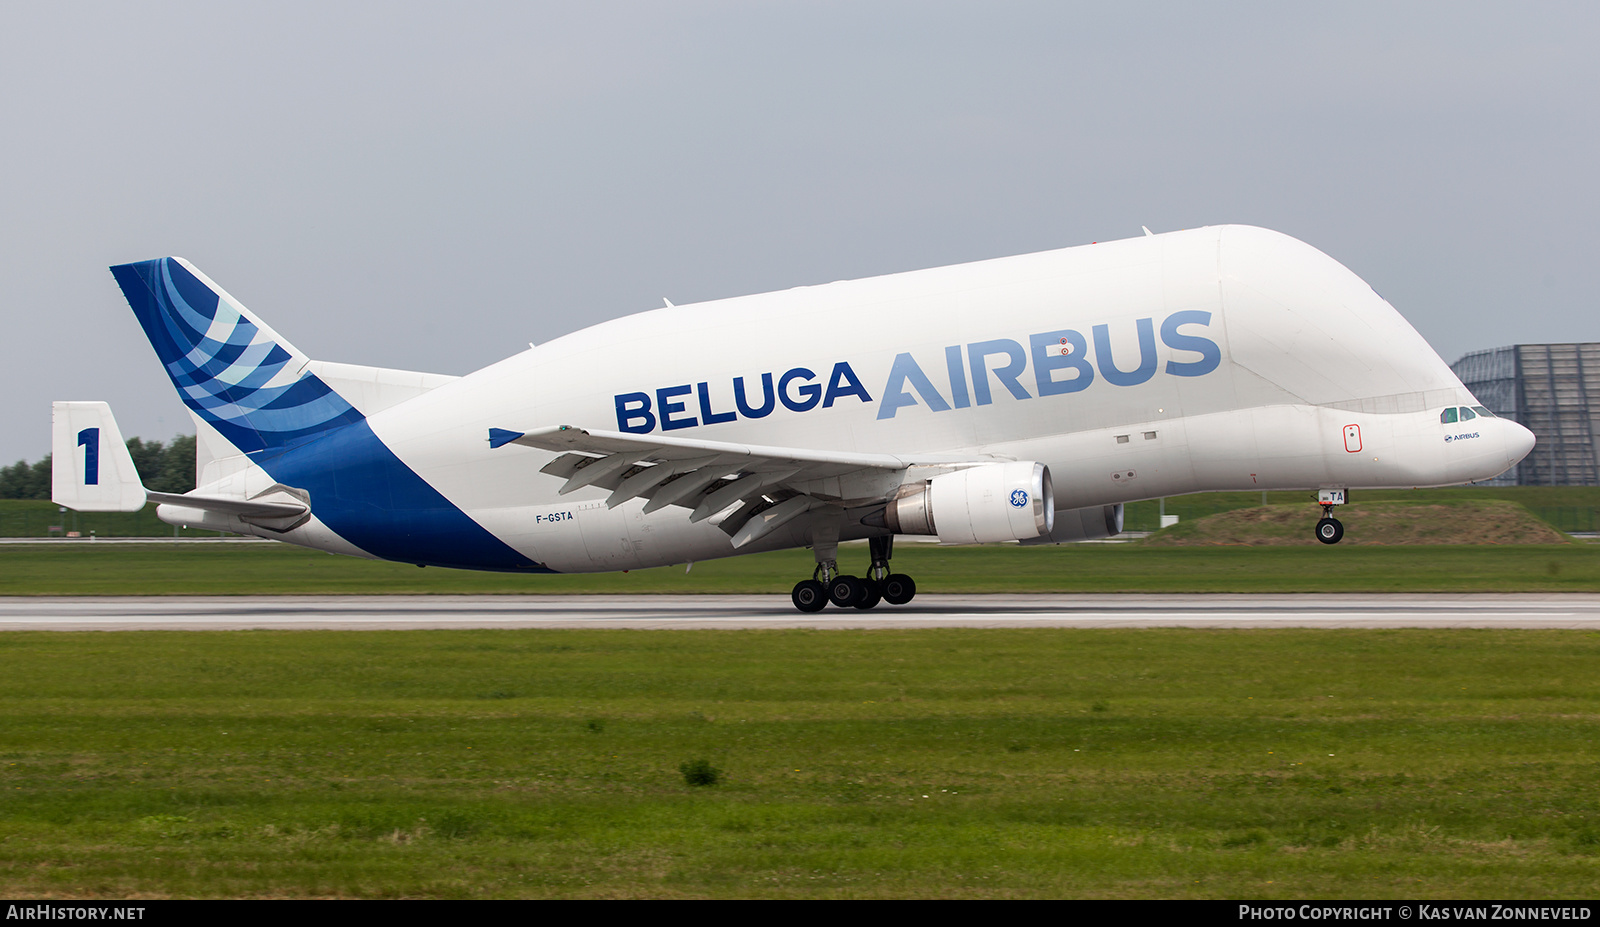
pixel 770 485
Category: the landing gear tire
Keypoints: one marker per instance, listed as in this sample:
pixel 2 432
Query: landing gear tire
pixel 898 589
pixel 1329 530
pixel 809 596
pixel 846 591
pixel 871 594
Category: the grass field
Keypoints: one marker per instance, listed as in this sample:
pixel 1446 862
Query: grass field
pixel 927 764
pixel 268 569
pixel 852 764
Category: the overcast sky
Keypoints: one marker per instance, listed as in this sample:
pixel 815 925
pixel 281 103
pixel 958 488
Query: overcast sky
pixel 431 186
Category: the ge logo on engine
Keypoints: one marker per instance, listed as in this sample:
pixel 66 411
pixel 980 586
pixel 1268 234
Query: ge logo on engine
pixel 1019 497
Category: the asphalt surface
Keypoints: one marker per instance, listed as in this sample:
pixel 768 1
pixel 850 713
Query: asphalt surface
pixel 666 612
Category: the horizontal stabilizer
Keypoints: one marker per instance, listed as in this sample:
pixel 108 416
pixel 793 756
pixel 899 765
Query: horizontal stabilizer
pixel 92 471
pixel 245 508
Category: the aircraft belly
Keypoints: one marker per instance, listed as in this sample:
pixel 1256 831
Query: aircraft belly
pixel 315 534
pixel 583 536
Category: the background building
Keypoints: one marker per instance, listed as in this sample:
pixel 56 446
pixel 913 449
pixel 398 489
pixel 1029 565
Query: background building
pixel 1548 388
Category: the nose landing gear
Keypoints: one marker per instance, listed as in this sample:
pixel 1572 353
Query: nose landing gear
pixel 1329 529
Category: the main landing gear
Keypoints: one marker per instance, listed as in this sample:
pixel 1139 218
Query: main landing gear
pixel 827 584
pixel 1329 529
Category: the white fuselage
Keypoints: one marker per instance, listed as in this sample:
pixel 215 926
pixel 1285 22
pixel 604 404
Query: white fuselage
pixel 1227 358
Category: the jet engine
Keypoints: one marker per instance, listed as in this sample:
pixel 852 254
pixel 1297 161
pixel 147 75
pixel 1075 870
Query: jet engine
pixel 990 502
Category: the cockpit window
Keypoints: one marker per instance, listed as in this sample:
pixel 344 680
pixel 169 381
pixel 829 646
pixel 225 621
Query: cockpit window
pixel 1448 416
pixel 1467 414
pixel 1483 412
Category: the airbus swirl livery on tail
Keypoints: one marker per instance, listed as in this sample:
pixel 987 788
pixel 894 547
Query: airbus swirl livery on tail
pixel 1019 399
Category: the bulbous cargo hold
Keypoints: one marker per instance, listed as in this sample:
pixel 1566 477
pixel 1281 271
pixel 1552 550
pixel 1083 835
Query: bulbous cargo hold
pixel 1300 320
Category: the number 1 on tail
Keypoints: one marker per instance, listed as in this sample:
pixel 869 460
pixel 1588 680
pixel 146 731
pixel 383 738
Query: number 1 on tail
pixel 89 440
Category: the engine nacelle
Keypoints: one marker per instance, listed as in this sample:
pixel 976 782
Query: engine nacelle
pixel 1088 524
pixel 990 502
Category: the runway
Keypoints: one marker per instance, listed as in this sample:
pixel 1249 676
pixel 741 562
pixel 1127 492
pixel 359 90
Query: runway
pixel 664 612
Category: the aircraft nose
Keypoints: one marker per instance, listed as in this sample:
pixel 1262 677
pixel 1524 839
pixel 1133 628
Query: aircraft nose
pixel 1518 442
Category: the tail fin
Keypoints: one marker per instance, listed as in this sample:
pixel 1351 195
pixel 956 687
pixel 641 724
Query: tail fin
pixel 230 368
pixel 90 467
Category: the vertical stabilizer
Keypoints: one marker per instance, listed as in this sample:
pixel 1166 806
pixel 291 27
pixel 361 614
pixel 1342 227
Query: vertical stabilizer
pixel 231 369
pixel 90 467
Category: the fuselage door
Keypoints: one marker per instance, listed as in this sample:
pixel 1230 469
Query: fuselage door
pixel 605 535
pixel 1352 438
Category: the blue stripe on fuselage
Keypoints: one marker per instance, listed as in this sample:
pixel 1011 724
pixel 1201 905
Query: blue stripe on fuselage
pixel 369 497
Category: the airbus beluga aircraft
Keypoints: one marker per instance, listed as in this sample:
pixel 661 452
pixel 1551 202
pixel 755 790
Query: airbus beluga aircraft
pixel 1019 399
